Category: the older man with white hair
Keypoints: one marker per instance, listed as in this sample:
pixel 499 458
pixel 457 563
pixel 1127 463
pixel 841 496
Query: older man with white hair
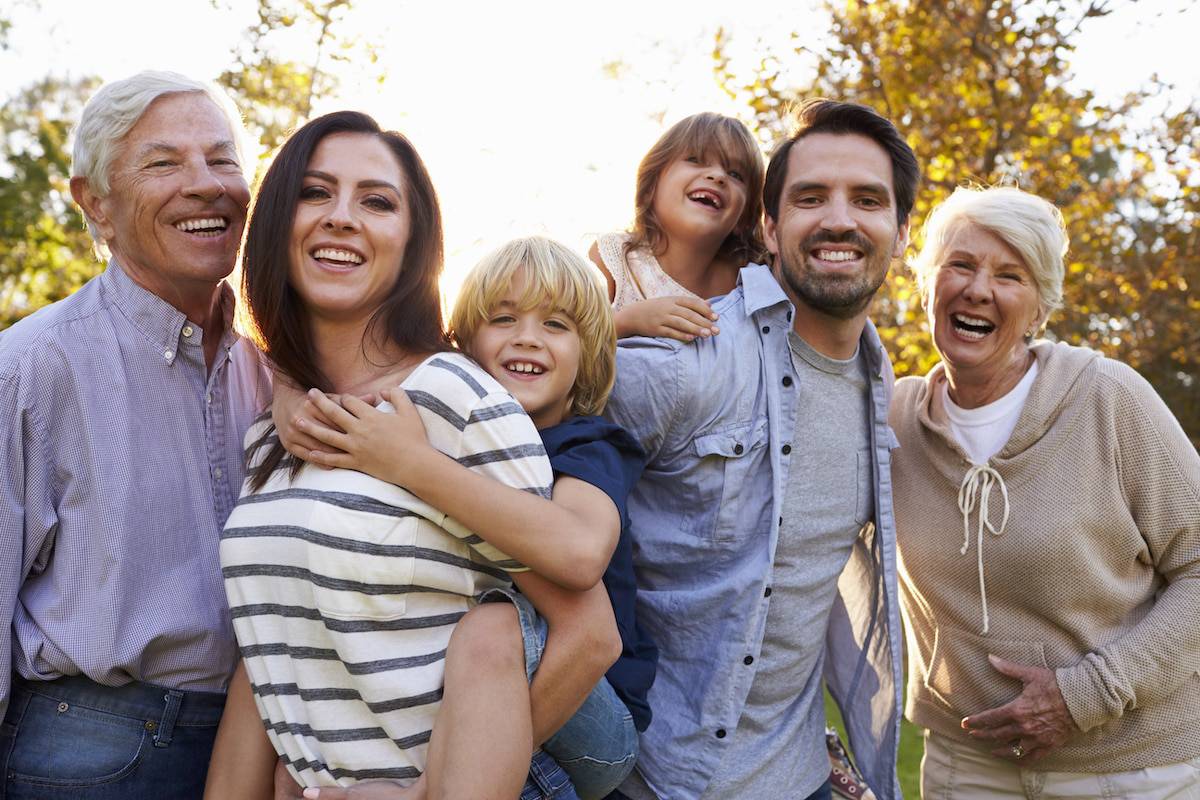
pixel 122 410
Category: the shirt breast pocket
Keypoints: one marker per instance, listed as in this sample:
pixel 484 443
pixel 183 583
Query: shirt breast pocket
pixel 733 457
pixel 363 566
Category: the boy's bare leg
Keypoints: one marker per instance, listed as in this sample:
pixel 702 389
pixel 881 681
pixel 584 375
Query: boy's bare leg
pixel 483 739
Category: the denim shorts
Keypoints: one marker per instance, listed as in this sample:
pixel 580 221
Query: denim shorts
pixel 73 738
pixel 598 746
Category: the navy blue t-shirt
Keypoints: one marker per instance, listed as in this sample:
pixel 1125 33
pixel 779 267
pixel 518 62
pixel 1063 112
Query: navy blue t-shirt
pixel 603 454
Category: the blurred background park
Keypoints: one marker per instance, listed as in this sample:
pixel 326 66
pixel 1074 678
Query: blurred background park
pixel 532 117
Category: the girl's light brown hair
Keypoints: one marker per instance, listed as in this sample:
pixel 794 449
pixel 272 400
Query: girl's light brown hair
pixel 707 135
pixel 559 277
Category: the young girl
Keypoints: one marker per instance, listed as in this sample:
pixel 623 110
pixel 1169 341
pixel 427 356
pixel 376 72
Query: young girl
pixel 697 221
pixel 534 316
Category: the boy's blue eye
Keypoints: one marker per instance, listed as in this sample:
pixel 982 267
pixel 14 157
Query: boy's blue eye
pixel 692 159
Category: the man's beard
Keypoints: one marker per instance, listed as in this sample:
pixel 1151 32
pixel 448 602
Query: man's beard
pixel 841 296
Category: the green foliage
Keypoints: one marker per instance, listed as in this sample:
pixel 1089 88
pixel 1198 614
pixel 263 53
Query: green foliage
pixel 45 251
pixel 979 87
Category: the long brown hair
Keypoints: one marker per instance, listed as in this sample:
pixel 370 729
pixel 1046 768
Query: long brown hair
pixel 706 134
pixel 410 316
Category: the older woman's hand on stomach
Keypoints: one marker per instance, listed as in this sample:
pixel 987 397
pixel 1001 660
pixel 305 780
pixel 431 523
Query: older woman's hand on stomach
pixel 1034 723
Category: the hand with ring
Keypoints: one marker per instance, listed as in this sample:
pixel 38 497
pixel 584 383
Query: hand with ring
pixel 1033 724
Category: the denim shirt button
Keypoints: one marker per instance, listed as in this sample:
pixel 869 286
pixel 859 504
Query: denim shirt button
pixel 720 733
pixel 767 592
pixel 766 328
pixel 748 660
pixel 787 380
pixel 738 449
pixel 787 448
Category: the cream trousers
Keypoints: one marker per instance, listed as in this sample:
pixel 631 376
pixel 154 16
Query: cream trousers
pixel 951 770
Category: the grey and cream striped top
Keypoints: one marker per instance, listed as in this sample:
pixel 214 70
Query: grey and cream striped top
pixel 344 590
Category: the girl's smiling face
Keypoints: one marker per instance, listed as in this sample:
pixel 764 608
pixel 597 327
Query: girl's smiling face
pixel 532 352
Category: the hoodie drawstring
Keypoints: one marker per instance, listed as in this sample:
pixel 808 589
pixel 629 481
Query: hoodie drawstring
pixel 977 486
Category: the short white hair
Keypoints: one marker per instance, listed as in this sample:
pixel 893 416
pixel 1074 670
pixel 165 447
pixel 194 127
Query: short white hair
pixel 113 111
pixel 1031 226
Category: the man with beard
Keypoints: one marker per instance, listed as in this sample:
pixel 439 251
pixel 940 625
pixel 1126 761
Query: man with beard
pixel 763 529
pixel 122 410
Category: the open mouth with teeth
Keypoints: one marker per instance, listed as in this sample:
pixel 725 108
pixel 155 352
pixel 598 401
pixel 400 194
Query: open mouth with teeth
pixel 205 227
pixel 524 368
pixel 971 327
pixel 336 257
pixel 706 198
pixel 836 256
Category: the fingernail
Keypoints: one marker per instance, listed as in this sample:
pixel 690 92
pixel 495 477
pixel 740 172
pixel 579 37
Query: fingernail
pixel 706 332
pixel 301 422
pixel 715 329
pixel 312 794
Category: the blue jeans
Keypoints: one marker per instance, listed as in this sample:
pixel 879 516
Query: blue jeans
pixel 598 746
pixel 73 738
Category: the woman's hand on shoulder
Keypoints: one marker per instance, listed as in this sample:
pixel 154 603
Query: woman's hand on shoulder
pixel 1032 725
pixel 682 318
pixel 358 436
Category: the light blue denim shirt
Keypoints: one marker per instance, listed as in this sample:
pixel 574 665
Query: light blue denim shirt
pixel 714 417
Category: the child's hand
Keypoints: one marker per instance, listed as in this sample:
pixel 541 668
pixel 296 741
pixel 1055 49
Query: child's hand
pixel 363 438
pixel 288 407
pixel 682 318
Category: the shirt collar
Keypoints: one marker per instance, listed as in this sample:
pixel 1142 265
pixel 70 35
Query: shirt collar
pixel 161 323
pixel 759 288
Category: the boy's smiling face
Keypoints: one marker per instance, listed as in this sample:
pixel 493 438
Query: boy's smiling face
pixel 533 353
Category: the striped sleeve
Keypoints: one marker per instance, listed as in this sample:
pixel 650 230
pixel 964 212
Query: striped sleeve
pixel 470 417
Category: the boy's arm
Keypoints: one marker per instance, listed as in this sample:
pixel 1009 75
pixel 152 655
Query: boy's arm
pixel 568 540
pixel 581 644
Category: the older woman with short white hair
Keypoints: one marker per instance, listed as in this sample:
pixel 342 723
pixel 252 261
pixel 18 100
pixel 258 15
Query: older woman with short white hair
pixel 1048 522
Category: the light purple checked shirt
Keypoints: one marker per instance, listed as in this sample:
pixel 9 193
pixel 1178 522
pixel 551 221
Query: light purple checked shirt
pixel 122 457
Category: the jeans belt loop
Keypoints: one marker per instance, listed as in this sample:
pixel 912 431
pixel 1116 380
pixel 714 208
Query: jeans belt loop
pixel 166 726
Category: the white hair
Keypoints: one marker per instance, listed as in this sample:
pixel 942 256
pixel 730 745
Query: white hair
pixel 1031 226
pixel 113 111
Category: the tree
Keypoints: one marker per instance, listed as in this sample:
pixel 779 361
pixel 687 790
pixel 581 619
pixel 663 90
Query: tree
pixel 277 92
pixel 979 87
pixel 45 250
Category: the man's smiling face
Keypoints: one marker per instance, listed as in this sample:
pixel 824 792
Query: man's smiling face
pixel 837 230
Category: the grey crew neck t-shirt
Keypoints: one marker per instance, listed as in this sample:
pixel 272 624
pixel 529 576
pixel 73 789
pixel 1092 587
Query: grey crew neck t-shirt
pixel 778 749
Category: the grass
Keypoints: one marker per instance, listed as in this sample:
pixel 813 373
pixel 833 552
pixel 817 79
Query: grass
pixel 912 747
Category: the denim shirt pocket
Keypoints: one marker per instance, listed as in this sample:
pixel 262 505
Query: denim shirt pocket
pixel 735 452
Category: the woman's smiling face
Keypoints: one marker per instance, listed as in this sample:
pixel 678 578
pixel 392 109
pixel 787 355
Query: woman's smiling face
pixel 351 227
pixel 982 303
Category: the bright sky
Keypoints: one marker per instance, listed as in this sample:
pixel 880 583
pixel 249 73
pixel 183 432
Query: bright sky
pixel 511 105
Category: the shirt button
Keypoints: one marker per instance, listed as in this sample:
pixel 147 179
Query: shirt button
pixel 787 380
pixel 217 471
pixel 787 448
pixel 208 398
pixel 187 330
pixel 748 660
pixel 167 354
pixel 767 592
pixel 738 449
pixel 720 733
pixel 766 328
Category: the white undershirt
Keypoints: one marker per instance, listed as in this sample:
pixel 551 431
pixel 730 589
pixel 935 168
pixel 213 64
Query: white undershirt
pixel 983 431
